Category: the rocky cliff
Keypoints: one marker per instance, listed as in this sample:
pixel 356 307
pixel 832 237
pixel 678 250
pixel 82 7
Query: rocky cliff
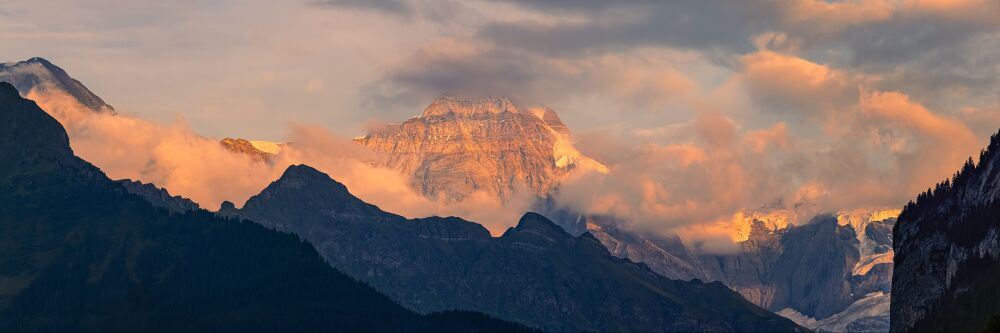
pixel 459 146
pixel 823 274
pixel 535 273
pixel 947 252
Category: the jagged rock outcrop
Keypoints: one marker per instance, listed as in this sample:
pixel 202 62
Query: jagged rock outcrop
pixel 42 76
pixel 534 273
pixel 257 150
pixel 947 252
pixel 159 197
pixel 80 253
pixel 460 146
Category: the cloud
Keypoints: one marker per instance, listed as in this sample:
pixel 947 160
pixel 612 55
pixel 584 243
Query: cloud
pixel 783 83
pixel 190 165
pixel 879 149
pixel 388 7
pixel 701 108
pixel 644 80
pixel 927 45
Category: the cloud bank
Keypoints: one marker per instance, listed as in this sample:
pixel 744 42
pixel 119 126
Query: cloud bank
pixel 701 108
pixel 187 164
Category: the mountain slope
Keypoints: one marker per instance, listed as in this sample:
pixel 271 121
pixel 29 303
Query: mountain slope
pixel 947 246
pixel 158 197
pixel 80 253
pixel 815 270
pixel 535 273
pixel 459 146
pixel 41 75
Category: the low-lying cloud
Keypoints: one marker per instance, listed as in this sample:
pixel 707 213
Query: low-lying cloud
pixel 176 158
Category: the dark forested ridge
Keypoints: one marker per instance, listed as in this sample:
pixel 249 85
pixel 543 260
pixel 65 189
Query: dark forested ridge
pixel 947 247
pixel 79 253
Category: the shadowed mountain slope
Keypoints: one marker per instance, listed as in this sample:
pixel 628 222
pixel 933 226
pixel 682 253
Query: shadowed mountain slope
pixel 534 273
pixel 80 253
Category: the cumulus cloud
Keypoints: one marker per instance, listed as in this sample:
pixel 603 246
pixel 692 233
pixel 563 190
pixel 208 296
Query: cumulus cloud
pixel 877 149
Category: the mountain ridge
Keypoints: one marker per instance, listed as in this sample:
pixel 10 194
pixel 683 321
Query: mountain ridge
pixel 535 272
pixel 80 253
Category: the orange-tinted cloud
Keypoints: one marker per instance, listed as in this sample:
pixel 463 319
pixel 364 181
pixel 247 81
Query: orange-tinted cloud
pixel 187 164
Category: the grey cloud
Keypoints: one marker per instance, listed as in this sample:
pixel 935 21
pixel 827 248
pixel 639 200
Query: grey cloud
pixel 723 25
pixel 388 7
pixel 920 51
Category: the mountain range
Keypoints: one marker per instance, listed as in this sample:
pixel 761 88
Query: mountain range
pixel 79 252
pixel 823 274
pixel 534 273
pixel 813 273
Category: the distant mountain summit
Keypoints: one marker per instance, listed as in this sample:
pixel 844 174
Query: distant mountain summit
pixel 38 74
pixel 461 145
pixel 257 150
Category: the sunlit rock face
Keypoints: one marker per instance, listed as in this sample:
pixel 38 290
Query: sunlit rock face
pixel 459 146
pixel 41 76
pixel 743 223
pixel 258 150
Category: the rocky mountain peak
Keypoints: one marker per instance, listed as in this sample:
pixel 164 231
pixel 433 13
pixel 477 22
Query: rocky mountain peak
pixel 257 150
pixel 448 104
pixel 301 175
pixel 540 224
pixel 304 185
pixel 42 76
pixel 459 146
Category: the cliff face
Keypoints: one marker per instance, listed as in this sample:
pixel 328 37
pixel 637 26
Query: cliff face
pixel 947 246
pixel 459 146
pixel 824 274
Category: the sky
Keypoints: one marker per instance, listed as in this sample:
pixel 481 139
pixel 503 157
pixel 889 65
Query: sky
pixel 703 107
